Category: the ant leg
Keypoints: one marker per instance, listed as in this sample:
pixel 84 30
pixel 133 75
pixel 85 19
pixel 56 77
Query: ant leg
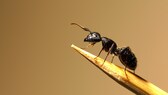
pixel 99 53
pixel 125 71
pixel 112 58
pixel 106 57
pixel 134 71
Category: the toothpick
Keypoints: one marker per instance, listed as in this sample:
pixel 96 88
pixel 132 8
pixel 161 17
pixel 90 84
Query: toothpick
pixel 129 80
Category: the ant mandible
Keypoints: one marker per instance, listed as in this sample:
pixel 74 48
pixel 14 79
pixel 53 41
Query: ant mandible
pixel 125 55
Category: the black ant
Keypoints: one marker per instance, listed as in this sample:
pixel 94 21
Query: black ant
pixel 126 56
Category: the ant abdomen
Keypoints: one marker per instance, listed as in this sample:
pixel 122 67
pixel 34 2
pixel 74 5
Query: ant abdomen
pixel 127 58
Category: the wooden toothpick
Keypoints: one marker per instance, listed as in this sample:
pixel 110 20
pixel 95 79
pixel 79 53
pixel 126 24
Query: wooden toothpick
pixel 129 80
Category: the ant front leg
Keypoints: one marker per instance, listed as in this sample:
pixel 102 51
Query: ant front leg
pixel 106 57
pixel 99 53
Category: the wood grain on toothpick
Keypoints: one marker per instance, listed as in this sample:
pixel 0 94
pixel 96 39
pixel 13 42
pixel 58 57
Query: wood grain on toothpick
pixel 129 80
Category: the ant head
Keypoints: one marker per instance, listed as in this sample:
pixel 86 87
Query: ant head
pixel 93 37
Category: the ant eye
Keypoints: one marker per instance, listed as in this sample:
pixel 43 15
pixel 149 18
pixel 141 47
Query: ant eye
pixel 94 35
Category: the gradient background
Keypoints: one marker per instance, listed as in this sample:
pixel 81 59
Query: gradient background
pixel 35 38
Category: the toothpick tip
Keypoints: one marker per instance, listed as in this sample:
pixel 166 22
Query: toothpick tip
pixel 129 80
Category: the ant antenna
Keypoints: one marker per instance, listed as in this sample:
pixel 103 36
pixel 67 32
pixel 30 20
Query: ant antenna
pixel 86 29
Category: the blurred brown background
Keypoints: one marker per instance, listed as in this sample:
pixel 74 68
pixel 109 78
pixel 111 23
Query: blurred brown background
pixel 35 38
